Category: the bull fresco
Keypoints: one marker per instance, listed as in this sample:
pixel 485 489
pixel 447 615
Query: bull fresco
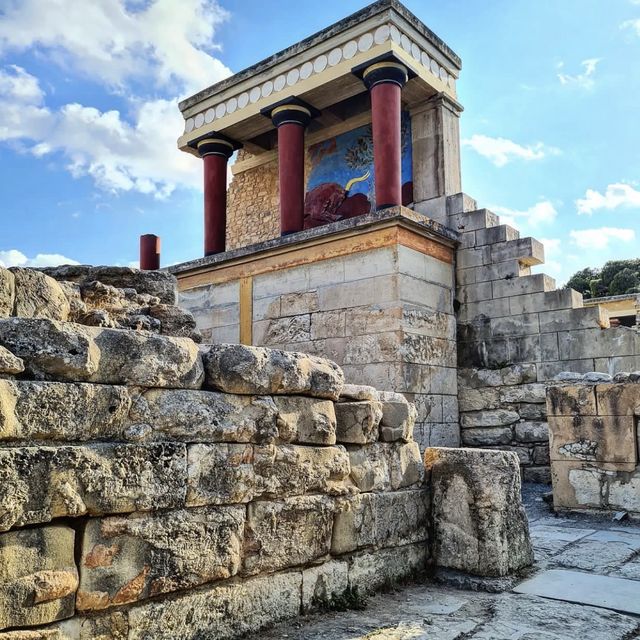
pixel 341 181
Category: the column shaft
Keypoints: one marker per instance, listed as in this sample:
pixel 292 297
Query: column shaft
pixel 149 252
pixel 291 176
pixel 215 203
pixel 387 144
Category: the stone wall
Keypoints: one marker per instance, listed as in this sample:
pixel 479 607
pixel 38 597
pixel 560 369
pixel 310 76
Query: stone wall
pixel 594 443
pixel 154 489
pixel 516 331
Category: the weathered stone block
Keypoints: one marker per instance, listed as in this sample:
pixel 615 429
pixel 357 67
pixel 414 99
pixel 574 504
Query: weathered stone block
pixel 7 292
pixel 48 482
pixel 357 422
pixel 593 438
pixel 484 437
pixel 470 399
pixel 618 399
pixel 532 432
pixel 321 585
pixel 398 420
pixel 224 611
pixel 358 392
pixel 287 533
pixel 305 420
pixel 9 363
pixel 237 368
pixel 62 411
pixel 479 523
pixel 493 418
pixel 571 399
pixel 204 416
pixel 38 296
pixel 71 352
pixel 236 473
pixel 524 393
pixel 381 520
pixel 126 559
pixel 371 571
pixel 38 576
pixel 381 466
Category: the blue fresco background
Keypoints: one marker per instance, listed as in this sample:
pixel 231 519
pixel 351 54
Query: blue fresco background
pixel 350 155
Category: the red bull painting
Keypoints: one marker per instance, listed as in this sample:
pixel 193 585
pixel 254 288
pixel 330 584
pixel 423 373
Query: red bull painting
pixel 341 180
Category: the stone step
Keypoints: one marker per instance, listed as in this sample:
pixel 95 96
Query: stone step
pixel 472 220
pixel 618 594
pixel 528 250
pixel 493 235
pixel 537 283
pixel 486 273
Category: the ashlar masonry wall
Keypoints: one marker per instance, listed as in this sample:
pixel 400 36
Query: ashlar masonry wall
pixel 150 488
pixel 516 331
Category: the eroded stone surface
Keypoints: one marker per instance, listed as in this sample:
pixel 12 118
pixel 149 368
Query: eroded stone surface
pixel 9 363
pixel 38 296
pixel 479 522
pixel 126 559
pixel 41 483
pixel 306 420
pixel 357 422
pixel 38 576
pixel 237 368
pixel 7 292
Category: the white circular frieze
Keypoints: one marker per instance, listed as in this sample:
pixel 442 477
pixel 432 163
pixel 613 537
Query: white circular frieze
pixel 267 88
pixel 335 55
pixel 320 63
pixel 210 115
pixel 350 49
pixel 366 42
pixel 395 34
pixel 382 34
pixel 254 94
pixel 306 70
pixel 405 43
pixel 279 83
pixel 434 67
pixel 424 58
pixel 243 100
pixel 292 77
pixel 443 74
pixel 221 109
pixel 415 51
pixel 188 125
pixel 199 120
pixel 232 105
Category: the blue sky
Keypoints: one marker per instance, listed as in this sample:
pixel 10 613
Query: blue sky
pixel 88 117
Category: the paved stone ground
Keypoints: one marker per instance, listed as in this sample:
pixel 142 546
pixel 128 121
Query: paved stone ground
pixel 579 559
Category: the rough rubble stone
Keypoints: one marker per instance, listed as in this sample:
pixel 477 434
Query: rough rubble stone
pixel 398 421
pixel 305 420
pixel 386 466
pixel 287 533
pixel 237 473
pixel 596 376
pixel 62 411
pixel 236 368
pixel 225 611
pixel 175 321
pixel 126 559
pixel 7 292
pixel 41 483
pixel 38 296
pixel 381 520
pixel 38 576
pixel 358 422
pixel 479 523
pixel 160 284
pixel 202 416
pixel 323 584
pixel 10 364
pixel 359 392
pixel 495 418
pixel 71 352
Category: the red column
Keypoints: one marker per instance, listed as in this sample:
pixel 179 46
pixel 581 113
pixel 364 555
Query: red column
pixel 385 81
pixel 291 121
pixel 215 153
pixel 149 252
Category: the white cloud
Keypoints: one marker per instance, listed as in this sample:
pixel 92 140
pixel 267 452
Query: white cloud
pixel 634 24
pixel 167 42
pixel 542 212
pixel 552 253
pixel 120 156
pixel 599 239
pixel 15 258
pixel 616 195
pixel 501 151
pixel 585 79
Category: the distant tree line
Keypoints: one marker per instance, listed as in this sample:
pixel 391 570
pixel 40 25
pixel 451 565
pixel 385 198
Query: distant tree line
pixel 615 278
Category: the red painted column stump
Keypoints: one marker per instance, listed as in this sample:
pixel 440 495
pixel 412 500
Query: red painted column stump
pixel 291 120
pixel 149 252
pixel 385 81
pixel 215 153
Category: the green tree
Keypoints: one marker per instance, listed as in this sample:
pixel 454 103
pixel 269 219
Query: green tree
pixel 616 277
pixel 625 281
pixel 581 281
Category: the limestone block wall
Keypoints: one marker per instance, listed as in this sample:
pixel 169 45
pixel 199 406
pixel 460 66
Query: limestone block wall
pixel 516 331
pixel 594 443
pixel 153 489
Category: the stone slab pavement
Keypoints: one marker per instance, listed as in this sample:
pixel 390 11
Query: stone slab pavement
pixel 585 584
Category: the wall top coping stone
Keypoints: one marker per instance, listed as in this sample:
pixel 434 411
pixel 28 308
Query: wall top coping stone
pixel 393 216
